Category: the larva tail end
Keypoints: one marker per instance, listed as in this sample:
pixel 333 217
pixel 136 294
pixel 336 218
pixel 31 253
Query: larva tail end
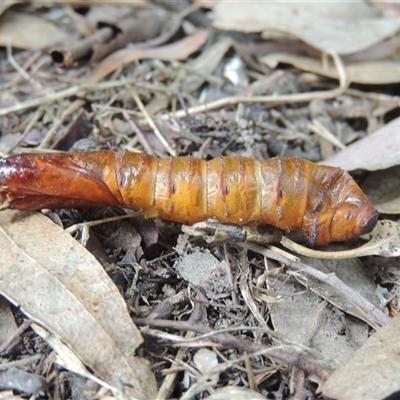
pixel 35 181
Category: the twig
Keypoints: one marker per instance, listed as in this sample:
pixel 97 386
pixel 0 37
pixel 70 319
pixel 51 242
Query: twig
pixel 245 289
pixel 76 227
pixel 289 352
pixel 38 114
pixel 22 328
pixel 139 134
pixel 171 29
pixel 250 372
pixel 373 315
pixel 166 387
pixel 290 98
pixel 14 63
pixel 71 91
pixel 316 127
pixel 229 276
pixel 72 108
pixel 20 363
pixel 149 120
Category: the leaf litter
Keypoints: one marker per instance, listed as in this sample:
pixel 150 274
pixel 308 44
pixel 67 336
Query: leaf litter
pixel 72 285
pixel 270 322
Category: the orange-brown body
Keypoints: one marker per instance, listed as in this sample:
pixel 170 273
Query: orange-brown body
pixel 288 193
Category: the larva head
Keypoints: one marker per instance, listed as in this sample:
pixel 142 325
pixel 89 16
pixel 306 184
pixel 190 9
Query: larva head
pixel 352 218
pixel 341 212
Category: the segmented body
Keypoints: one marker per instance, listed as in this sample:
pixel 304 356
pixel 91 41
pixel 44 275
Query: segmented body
pixel 288 193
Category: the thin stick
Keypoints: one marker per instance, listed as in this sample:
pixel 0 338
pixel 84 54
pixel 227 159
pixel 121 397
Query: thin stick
pixel 76 105
pixel 38 114
pixel 316 127
pixel 139 134
pixel 290 98
pixel 22 328
pixel 71 91
pixel 373 315
pixel 287 351
pixel 166 388
pixel 14 63
pixel 22 362
pixel 76 227
pixel 149 120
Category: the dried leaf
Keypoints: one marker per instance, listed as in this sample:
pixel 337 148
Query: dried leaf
pixel 235 393
pixel 175 51
pixel 296 314
pixel 359 286
pixel 65 357
pixel 332 9
pixel 298 317
pixel 28 31
pixel 392 8
pixel 367 72
pixel 92 3
pixel 343 36
pixel 384 145
pixel 385 241
pixel 7 321
pixel 59 284
pixel 18 379
pixel 7 4
pixel 205 64
pixel 383 189
pixel 373 371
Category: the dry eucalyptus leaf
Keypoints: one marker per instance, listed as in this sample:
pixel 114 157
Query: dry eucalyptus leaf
pixel 60 285
pixel 179 50
pixel 235 393
pixel 65 357
pixel 380 150
pixel 205 64
pixel 392 7
pixel 322 254
pixel 94 3
pixel 385 242
pixel 8 325
pixel 18 379
pixel 343 36
pixel 383 189
pixel 359 286
pixel 373 372
pixel 362 308
pixel 7 4
pixel 366 72
pixel 343 10
pixel 298 317
pixel 28 31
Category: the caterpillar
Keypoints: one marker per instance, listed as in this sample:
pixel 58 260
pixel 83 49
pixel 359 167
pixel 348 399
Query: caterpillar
pixel 288 193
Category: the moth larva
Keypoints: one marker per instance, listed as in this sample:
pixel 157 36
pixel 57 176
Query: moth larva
pixel 288 193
